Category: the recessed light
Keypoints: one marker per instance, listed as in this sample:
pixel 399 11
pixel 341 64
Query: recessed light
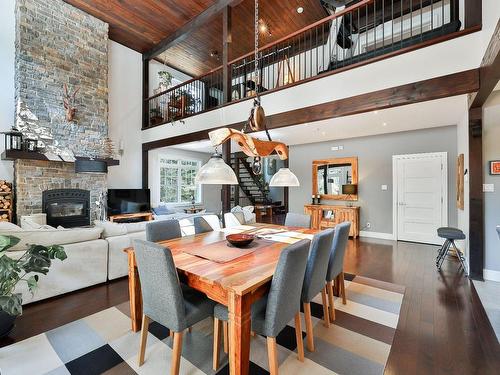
pixel 300 10
pixel 384 124
pixel 375 112
pixel 323 133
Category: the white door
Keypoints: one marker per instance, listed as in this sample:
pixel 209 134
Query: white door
pixel 420 197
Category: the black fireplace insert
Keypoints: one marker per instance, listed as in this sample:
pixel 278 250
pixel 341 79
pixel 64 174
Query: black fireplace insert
pixel 67 207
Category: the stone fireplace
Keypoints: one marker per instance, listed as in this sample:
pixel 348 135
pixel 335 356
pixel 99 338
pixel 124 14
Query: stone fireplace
pixel 58 45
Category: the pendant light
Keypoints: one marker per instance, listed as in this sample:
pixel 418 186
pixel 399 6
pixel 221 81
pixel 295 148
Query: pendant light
pixel 284 177
pixel 216 172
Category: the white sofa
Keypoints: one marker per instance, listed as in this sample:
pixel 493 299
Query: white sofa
pixel 95 255
pixel 86 265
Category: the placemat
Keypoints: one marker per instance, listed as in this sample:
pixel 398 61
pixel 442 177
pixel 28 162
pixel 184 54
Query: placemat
pixel 223 251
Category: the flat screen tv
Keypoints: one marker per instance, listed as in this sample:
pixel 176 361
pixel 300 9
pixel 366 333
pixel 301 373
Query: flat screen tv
pixel 128 201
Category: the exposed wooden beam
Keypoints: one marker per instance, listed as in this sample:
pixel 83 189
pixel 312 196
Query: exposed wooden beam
pixel 435 88
pixel 476 199
pixel 473 10
pixel 226 45
pixel 489 74
pixel 182 33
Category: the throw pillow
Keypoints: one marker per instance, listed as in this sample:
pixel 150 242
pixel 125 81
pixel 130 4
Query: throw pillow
pixel 6 226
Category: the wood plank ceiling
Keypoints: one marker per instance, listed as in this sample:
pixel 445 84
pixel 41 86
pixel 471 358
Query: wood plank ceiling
pixel 141 25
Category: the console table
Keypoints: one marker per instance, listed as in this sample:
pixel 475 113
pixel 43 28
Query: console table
pixel 145 216
pixel 319 220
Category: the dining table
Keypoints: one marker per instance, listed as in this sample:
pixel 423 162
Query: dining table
pixel 235 283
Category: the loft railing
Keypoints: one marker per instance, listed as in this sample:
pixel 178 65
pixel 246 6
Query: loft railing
pixel 364 31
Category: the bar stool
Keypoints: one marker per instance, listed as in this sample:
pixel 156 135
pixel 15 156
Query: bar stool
pixel 450 234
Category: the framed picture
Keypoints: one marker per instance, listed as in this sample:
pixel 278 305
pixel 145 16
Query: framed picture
pixel 495 167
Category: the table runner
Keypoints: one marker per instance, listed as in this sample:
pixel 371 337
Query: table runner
pixel 223 251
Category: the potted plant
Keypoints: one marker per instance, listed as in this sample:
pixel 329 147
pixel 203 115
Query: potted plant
pixel 35 260
pixel 165 79
pixel 155 116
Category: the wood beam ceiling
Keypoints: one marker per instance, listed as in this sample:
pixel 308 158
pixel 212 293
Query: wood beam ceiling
pixel 183 32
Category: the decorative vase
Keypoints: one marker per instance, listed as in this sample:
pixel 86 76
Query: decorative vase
pixel 6 323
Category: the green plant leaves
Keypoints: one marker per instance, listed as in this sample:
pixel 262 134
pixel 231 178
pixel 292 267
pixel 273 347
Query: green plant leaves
pixel 11 304
pixel 37 259
pixel 6 242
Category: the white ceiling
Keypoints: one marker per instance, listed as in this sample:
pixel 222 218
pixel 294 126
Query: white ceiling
pixel 435 113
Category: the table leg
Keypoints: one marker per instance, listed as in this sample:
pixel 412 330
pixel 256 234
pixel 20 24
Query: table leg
pixel 239 334
pixel 134 290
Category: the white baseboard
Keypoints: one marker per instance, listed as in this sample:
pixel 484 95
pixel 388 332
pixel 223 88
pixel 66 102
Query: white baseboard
pixel 380 235
pixel 491 275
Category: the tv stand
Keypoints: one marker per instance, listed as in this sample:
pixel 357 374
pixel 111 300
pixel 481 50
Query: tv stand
pixel 124 218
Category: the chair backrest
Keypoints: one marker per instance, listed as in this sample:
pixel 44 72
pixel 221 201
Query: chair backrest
pixel 162 298
pixel 201 225
pixel 283 301
pixel 317 264
pixel 162 230
pixel 337 252
pixel 297 220
pixel 498 231
pixel 231 219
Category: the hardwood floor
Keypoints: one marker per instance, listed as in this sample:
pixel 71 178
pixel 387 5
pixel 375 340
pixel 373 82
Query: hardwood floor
pixel 443 328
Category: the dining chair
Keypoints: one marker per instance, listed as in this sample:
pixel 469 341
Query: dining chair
pixel 273 312
pixel 314 280
pixel 336 264
pixel 162 230
pixel 206 223
pixel 293 219
pixel 163 299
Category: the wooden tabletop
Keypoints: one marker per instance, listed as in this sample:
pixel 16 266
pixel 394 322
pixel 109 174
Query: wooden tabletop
pixel 240 275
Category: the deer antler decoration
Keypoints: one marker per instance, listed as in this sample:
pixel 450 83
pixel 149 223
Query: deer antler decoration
pixel 69 103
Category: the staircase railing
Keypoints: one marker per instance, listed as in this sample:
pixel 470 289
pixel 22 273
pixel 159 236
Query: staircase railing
pixel 363 32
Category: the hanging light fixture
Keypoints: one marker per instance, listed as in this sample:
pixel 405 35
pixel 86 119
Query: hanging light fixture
pixel 216 172
pixel 284 177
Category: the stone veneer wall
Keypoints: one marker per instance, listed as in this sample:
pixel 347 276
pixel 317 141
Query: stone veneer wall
pixel 58 44
pixel 31 177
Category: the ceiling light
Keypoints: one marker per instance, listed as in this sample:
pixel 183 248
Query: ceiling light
pixel 216 172
pixel 384 124
pixel 300 10
pixel 323 133
pixel 375 112
pixel 284 177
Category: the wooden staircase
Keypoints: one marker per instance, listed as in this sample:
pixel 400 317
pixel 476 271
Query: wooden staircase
pixel 251 185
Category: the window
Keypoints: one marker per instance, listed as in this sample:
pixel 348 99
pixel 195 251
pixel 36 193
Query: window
pixel 177 180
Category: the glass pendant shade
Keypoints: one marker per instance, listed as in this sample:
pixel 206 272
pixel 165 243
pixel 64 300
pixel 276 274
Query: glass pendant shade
pixel 284 177
pixel 216 172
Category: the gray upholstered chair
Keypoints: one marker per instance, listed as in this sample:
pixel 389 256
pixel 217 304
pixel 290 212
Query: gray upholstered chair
pixel 314 280
pixel 163 230
pixel 201 225
pixel 297 220
pixel 336 264
pixel 163 299
pixel 498 231
pixel 272 313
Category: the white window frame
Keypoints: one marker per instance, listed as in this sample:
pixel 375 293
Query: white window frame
pixel 179 168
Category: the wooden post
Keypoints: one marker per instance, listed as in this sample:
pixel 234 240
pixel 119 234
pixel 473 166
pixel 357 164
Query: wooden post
pixel 473 10
pixel 145 92
pixel 476 200
pixel 226 189
pixel 226 44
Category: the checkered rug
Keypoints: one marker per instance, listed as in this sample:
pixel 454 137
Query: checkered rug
pixel 103 343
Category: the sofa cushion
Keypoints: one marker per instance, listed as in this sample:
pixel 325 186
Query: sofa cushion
pixel 162 210
pixel 110 229
pixel 5 225
pixel 29 223
pixel 48 237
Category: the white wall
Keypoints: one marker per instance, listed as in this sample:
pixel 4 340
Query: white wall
pixel 7 103
pixel 210 194
pixel 125 115
pixel 155 67
pixel 491 151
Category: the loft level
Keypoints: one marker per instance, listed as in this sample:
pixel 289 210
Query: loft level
pixel 364 32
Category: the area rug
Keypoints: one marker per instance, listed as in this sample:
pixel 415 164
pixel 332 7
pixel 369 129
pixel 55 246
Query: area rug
pixel 358 342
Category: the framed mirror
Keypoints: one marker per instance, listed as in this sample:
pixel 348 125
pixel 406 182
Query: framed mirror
pixel 335 179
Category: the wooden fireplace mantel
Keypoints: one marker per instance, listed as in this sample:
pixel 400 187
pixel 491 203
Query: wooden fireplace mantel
pixel 26 155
